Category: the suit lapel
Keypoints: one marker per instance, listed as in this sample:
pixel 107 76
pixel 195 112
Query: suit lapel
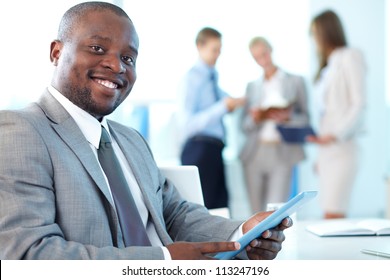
pixel 143 176
pixel 288 90
pixel 70 133
pixel 258 93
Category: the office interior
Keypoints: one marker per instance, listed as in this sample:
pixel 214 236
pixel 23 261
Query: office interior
pixel 167 32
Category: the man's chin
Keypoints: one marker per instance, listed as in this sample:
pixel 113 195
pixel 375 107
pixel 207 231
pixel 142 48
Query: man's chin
pixel 100 112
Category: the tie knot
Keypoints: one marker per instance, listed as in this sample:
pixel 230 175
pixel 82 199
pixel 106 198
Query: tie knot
pixel 105 140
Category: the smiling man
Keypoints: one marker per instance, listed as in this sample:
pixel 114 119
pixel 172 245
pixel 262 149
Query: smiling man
pixel 85 53
pixel 74 185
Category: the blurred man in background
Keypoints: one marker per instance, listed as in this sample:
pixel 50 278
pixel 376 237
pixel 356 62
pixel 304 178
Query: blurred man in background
pixel 205 105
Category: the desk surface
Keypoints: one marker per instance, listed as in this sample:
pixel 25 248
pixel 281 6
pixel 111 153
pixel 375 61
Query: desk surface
pixel 303 245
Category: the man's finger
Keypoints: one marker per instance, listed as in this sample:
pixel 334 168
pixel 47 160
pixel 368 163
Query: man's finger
pixel 274 234
pixel 215 247
pixel 286 223
pixel 267 245
pixel 261 254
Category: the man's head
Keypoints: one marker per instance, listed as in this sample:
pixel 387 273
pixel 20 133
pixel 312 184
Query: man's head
pixel 261 51
pixel 208 42
pixel 95 56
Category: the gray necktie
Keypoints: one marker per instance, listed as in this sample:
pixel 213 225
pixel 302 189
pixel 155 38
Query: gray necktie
pixel 133 230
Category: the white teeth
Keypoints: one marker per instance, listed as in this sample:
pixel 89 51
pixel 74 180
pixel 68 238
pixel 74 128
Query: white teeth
pixel 106 83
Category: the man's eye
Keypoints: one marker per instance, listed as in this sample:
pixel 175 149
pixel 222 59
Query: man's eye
pixel 129 60
pixel 97 49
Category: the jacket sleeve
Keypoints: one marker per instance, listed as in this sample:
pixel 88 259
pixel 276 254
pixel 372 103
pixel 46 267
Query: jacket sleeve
pixel 248 125
pixel 354 71
pixel 300 114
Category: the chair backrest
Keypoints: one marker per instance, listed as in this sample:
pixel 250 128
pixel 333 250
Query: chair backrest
pixel 186 180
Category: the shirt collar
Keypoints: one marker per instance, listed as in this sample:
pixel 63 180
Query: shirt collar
pixel 89 126
pixel 204 66
pixel 279 74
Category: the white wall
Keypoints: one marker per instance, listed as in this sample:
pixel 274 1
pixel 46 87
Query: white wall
pixel 167 31
pixel 27 28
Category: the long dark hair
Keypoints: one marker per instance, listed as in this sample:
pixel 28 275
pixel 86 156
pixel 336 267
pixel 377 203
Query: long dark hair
pixel 330 30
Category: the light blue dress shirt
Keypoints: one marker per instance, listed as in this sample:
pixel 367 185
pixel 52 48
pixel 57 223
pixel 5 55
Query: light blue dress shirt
pixel 202 112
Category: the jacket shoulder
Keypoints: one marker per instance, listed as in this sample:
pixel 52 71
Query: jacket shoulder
pixel 252 85
pixel 349 55
pixel 294 76
pixel 32 114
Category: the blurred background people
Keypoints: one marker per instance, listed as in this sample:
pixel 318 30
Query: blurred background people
pixel 340 90
pixel 205 105
pixel 277 97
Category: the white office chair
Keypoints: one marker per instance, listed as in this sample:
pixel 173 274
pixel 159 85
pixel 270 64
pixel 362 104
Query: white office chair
pixel 187 181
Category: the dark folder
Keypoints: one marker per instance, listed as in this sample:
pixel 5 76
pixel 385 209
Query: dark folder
pixel 295 134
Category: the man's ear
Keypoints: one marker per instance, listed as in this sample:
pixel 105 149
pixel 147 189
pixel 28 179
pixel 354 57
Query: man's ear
pixel 199 46
pixel 55 51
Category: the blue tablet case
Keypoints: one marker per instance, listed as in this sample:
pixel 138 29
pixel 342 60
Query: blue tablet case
pixel 270 222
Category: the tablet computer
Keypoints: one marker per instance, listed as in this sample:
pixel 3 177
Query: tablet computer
pixel 271 221
pixel 295 134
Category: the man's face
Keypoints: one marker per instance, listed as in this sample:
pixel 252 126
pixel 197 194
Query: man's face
pixel 262 55
pixel 95 68
pixel 210 51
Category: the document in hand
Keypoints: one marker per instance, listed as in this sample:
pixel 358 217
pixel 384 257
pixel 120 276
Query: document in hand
pixel 295 134
pixel 346 227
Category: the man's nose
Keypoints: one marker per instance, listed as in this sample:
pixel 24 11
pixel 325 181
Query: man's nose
pixel 114 63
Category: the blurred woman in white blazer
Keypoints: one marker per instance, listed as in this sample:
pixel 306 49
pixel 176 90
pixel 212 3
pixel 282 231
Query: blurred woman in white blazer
pixel 340 90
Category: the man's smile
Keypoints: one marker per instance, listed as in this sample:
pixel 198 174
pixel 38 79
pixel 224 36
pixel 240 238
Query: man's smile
pixel 106 83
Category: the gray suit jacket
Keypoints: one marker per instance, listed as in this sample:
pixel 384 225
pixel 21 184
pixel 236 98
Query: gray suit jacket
pixel 55 203
pixel 294 91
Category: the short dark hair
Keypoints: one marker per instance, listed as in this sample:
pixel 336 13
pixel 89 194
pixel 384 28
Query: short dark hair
pixel 76 13
pixel 205 34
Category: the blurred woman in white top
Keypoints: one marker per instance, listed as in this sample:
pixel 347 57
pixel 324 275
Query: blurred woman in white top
pixel 340 86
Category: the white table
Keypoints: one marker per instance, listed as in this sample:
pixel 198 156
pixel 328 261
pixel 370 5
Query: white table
pixel 303 245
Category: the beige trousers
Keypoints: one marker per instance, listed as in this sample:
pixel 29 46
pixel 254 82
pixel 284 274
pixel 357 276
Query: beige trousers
pixel 268 177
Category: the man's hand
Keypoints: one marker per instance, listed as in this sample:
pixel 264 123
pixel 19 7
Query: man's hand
pixel 270 243
pixel 198 250
pixel 234 103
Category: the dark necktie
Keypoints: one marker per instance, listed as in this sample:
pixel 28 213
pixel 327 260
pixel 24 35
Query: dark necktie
pixel 133 230
pixel 213 79
pixel 217 97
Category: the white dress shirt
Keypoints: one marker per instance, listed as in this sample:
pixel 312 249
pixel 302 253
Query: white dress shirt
pixel 272 96
pixel 91 128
